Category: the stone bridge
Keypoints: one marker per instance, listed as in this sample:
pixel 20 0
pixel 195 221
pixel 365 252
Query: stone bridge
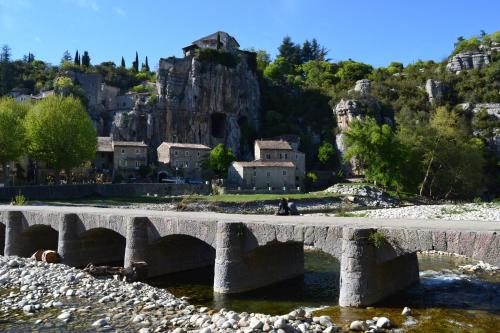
pixel 247 251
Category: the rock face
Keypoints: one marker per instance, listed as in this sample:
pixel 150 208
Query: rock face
pixel 467 60
pixel 140 124
pixel 207 103
pixel 493 110
pixel 435 90
pixel 363 87
pixel 362 105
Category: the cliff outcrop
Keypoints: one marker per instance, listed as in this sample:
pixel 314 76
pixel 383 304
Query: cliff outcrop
pixel 468 60
pixel 207 102
pixel 359 106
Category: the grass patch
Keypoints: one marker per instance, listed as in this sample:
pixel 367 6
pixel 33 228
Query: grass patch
pixel 377 239
pixel 343 213
pixel 456 210
pixel 185 199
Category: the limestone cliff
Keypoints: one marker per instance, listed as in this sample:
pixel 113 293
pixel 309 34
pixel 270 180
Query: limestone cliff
pixel 468 60
pixel 207 103
pixel 359 106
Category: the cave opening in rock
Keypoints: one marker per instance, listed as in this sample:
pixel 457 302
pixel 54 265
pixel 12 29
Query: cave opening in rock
pixel 218 125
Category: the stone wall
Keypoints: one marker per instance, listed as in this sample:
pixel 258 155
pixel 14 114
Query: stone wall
pixel 77 191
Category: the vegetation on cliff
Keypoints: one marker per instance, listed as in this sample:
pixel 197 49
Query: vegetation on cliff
pixel 298 93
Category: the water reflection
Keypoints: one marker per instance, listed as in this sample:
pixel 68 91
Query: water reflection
pixel 444 301
pixel 319 286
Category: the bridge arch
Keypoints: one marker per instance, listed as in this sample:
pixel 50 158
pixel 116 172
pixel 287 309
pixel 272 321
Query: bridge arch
pixel 101 246
pixel 178 252
pixel 38 237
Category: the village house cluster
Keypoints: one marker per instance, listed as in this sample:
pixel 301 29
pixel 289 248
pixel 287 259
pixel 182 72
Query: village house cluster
pixel 126 152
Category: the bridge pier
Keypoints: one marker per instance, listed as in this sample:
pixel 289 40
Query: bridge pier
pixel 137 243
pixel 13 234
pixel 366 276
pixel 68 244
pixel 238 270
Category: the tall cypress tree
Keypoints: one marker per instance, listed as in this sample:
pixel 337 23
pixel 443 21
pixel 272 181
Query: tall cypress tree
pixel 77 58
pixel 85 59
pixel 123 63
pixel 135 64
pixel 146 65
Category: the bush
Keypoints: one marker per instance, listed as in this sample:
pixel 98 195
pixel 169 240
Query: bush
pixel 19 200
pixel 212 56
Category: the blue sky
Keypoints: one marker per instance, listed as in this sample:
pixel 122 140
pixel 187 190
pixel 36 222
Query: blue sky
pixel 375 32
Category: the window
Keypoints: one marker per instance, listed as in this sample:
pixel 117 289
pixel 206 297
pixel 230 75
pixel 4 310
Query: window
pixel 186 153
pixel 137 151
pixel 186 165
pixel 123 150
pixel 281 156
pixel 286 156
pixel 137 164
pixel 268 156
pixel 198 154
pixel 175 152
pixel 269 173
pixel 284 172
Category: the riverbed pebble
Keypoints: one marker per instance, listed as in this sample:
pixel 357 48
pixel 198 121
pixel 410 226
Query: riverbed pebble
pixel 102 304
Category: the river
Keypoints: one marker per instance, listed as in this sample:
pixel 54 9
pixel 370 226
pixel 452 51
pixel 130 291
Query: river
pixel 444 301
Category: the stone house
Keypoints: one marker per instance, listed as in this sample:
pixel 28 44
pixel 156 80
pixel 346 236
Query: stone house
pixel 227 43
pixel 129 157
pixel 262 174
pixel 282 151
pixel 277 164
pixel 103 162
pixel 181 159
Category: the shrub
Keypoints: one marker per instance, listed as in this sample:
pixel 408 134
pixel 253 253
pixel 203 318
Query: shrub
pixel 377 239
pixel 217 57
pixel 19 200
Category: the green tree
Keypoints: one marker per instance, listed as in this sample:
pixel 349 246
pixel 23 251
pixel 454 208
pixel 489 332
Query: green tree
pixel 263 60
pixel 122 65
pixel 318 74
pixel 279 70
pixel 219 160
pixel 290 51
pixel 353 71
pixel 377 148
pixel 60 132
pixel 452 160
pixel 12 132
pixel 327 154
pixel 66 57
pixel 77 59
pixel 6 71
pixel 135 63
pixel 86 59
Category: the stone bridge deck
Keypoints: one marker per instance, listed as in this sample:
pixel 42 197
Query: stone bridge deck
pixel 248 251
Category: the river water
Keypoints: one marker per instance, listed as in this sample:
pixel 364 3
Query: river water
pixel 444 301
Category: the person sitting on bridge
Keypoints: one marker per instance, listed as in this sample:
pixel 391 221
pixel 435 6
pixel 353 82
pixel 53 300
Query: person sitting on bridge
pixel 292 208
pixel 283 207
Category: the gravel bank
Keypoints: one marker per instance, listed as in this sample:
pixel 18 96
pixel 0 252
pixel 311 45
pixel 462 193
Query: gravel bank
pixel 54 297
pixel 470 212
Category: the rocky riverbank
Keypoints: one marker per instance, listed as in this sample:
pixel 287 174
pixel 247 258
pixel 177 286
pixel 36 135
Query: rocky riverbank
pixel 468 212
pixel 54 297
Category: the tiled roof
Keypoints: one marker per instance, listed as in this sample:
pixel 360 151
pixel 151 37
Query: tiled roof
pixel 268 164
pixel 104 144
pixel 185 145
pixel 130 144
pixel 273 144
